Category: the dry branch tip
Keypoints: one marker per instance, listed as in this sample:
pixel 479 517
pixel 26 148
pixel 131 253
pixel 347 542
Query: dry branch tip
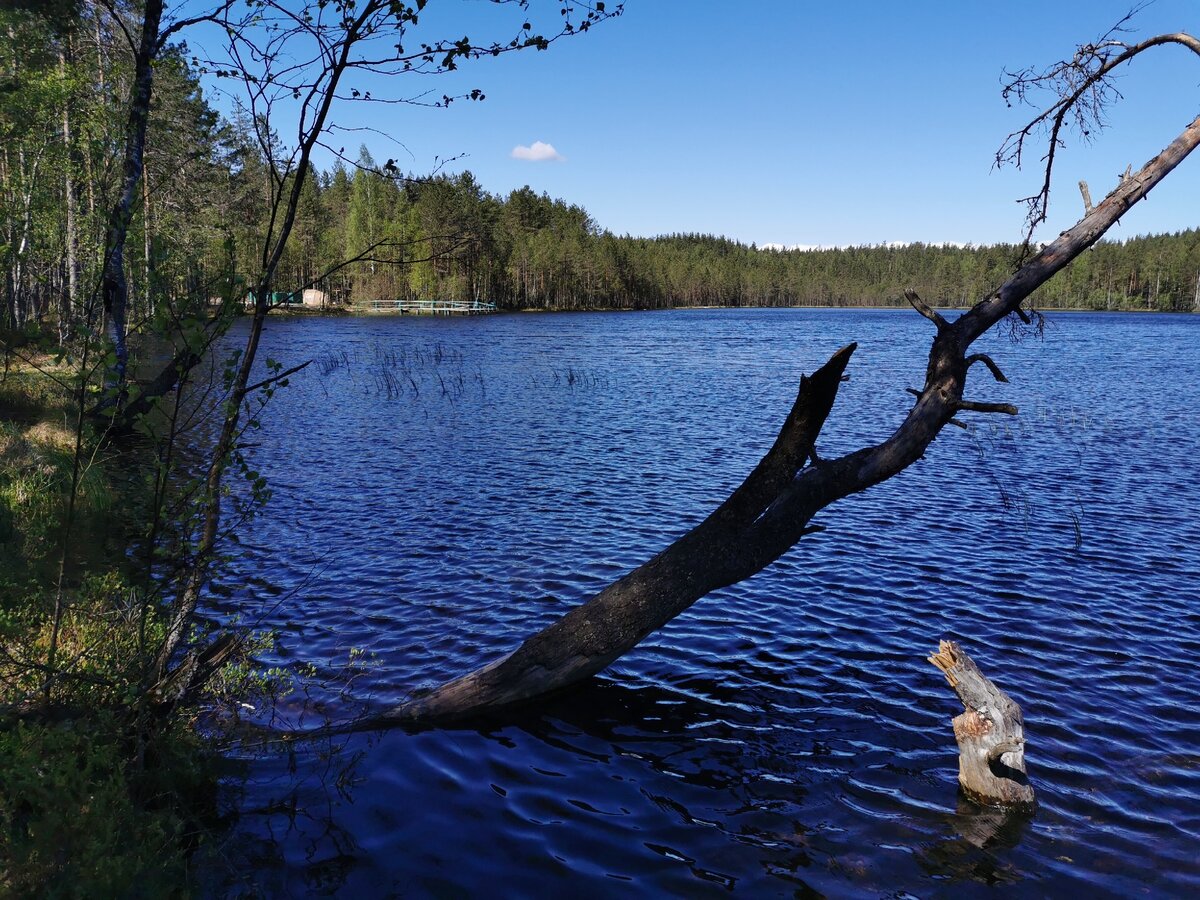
pixel 972 406
pixel 1087 197
pixel 990 363
pixel 945 660
pixel 925 309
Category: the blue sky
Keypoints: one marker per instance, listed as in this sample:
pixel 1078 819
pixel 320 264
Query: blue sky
pixel 795 123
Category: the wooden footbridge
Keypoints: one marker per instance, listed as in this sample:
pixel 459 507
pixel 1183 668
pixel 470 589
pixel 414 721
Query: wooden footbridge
pixel 434 307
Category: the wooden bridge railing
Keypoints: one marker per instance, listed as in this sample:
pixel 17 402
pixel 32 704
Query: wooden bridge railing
pixel 435 307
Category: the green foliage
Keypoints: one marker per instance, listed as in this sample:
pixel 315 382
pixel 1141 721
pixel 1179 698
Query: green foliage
pixel 79 817
pixel 37 452
pixel 243 683
pixel 447 238
pixel 63 88
pixel 34 461
pixel 99 797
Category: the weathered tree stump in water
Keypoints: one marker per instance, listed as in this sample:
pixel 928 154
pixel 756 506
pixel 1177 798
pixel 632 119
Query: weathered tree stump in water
pixel 990 734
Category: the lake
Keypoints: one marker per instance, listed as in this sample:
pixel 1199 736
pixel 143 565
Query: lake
pixel 443 488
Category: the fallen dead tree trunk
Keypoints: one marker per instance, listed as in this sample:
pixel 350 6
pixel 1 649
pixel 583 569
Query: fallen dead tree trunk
pixel 990 734
pixel 773 509
pixel 712 555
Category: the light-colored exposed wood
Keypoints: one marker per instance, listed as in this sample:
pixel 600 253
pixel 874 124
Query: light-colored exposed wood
pixel 990 733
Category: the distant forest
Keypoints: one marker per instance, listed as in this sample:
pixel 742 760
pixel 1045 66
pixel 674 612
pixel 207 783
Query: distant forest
pixel 527 251
pixel 207 182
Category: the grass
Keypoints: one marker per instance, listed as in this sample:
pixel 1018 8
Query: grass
pixel 77 820
pixel 97 798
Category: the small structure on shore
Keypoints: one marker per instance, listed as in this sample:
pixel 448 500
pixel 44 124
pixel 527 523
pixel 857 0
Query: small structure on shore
pixel 308 298
pixel 312 298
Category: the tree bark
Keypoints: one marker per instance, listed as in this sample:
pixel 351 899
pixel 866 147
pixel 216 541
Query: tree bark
pixel 710 556
pixel 183 608
pixel 147 255
pixel 114 286
pixel 66 317
pixel 990 734
pixel 772 510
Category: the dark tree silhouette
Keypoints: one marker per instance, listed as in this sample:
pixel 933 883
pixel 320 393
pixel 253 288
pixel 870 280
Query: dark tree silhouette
pixel 775 506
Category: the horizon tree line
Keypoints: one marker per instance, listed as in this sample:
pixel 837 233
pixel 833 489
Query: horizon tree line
pixel 205 197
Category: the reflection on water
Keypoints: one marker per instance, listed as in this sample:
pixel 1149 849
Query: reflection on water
pixel 444 488
pixel 980 845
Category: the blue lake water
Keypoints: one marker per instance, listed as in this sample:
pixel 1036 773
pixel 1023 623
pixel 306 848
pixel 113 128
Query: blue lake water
pixel 444 487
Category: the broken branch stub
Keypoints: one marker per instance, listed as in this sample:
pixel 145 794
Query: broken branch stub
pixel 990 734
pixel 925 309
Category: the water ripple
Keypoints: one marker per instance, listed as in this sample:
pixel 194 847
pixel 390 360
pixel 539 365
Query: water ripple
pixel 785 735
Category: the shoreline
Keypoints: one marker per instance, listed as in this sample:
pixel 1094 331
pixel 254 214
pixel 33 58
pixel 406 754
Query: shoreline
pixel 350 311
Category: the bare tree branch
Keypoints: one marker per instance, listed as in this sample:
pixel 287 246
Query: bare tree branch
pixel 775 506
pixel 990 363
pixel 924 308
pixel 1085 90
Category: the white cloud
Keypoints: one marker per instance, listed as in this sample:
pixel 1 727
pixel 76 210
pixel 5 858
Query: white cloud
pixel 538 151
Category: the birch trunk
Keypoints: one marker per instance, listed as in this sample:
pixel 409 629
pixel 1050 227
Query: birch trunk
pixel 114 286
